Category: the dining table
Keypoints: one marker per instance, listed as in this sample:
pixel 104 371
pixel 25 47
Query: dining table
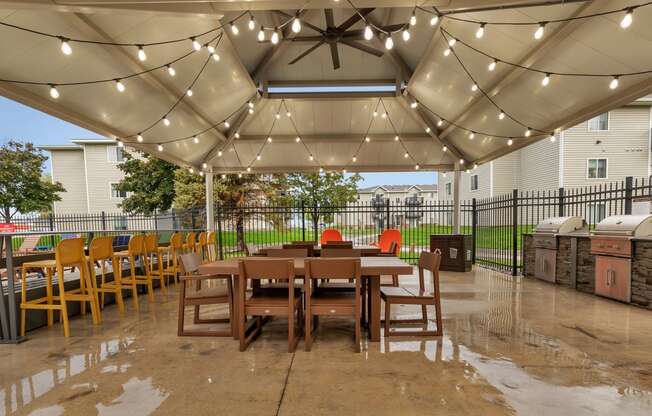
pixel 365 249
pixel 372 268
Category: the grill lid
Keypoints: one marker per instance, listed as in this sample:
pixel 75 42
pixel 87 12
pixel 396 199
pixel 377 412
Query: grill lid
pixel 625 225
pixel 560 225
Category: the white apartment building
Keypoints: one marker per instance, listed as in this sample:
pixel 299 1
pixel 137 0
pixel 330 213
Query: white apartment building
pixel 607 148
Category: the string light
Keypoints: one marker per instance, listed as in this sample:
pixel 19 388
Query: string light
pixel 474 87
pixel 234 28
pixel 538 34
pixel 296 25
pixel 278 116
pixel 492 65
pixel 297 139
pixel 447 51
pixel 311 157
pixel 248 168
pixel 159 147
pixel 427 129
pixel 553 138
pixel 417 167
pixel 257 157
pixel 120 144
pixel 288 114
pixel 227 124
pixel 191 170
pixel 389 43
pixel 252 22
pixel 354 159
pixel 461 161
pixel 406 35
pixel 406 155
pixel 251 111
pixel 614 83
pixel 471 135
pixel 216 57
pixel 440 122
pixel 413 18
pixel 211 49
pixel 367 139
pixel 396 138
pixel 195 139
pixel 384 115
pixel 528 132
pixel 142 56
pixel 434 19
pixel 480 32
pixel 54 92
pixel 275 36
pixel 452 42
pixel 375 113
pixel 239 175
pixel 321 170
pixel 171 71
pixel 219 153
pixel 205 165
pixel 368 33
pixel 119 85
pixel 414 104
pixel 269 139
pixel 546 80
pixel 250 104
pixel 237 135
pixel 195 44
pixel 444 149
pixel 627 19
pixel 501 115
pixel 261 34
pixel 189 92
pixel 166 121
pixel 510 142
pixel 139 138
pixel 65 46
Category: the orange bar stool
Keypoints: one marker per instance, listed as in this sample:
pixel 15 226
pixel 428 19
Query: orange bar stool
pixel 190 246
pixel 211 246
pixel 152 251
pixel 99 252
pixel 68 253
pixel 172 251
pixel 136 250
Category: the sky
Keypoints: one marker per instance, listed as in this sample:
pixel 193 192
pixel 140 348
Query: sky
pixel 23 123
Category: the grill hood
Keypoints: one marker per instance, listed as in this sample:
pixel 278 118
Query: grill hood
pixel 625 225
pixel 560 225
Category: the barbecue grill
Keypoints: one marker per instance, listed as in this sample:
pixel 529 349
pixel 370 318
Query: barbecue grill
pixel 612 244
pixel 545 241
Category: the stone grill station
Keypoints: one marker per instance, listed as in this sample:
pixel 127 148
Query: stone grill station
pixel 550 257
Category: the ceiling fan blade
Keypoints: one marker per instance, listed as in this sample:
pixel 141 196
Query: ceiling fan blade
pixel 330 21
pixel 316 38
pixel 355 18
pixel 362 47
pixel 335 55
pixel 306 52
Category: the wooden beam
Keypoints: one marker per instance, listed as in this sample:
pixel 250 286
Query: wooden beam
pixel 337 138
pixel 329 95
pixel 328 82
pixel 204 10
pixel 334 168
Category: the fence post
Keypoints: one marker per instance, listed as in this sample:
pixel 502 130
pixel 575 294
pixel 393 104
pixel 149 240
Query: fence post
pixel 103 221
pixel 387 225
pixel 514 232
pixel 219 231
pixel 303 221
pixel 629 187
pixel 156 219
pixel 315 224
pixel 192 218
pixel 561 202
pixel 474 228
pixel 51 218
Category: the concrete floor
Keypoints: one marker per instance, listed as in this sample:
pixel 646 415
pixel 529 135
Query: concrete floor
pixel 510 346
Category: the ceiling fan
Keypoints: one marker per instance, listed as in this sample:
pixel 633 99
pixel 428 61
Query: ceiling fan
pixel 333 35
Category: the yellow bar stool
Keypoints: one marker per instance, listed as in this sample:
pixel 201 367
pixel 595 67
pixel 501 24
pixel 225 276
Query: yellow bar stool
pixel 201 246
pixel 68 253
pixel 211 246
pixel 100 251
pixel 172 251
pixel 152 251
pixel 190 246
pixel 47 303
pixel 136 250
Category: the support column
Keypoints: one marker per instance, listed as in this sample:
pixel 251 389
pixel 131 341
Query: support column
pixel 457 175
pixel 210 214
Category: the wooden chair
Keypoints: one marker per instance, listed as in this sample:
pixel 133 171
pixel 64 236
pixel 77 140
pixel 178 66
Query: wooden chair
pixel 68 253
pixel 263 303
pixel 219 294
pixel 309 246
pixel 190 244
pixel 338 244
pixel 289 253
pixel 329 235
pixel 171 257
pixel 347 286
pixel 398 295
pixel 151 252
pixel 135 251
pixel 99 252
pixel 327 303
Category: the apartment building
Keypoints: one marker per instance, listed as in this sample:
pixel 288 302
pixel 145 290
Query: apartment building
pixel 607 148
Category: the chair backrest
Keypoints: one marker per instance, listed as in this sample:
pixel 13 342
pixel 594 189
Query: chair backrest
pixel 338 244
pixel 341 268
pixel 429 261
pixel 151 242
pixel 189 263
pixel 256 269
pixel 137 244
pixel 288 253
pixel 101 248
pixel 70 252
pixel 309 246
pixel 190 240
pixel 201 240
pixel 340 252
pixel 330 234
pixel 387 237
pixel 176 241
pixel 120 240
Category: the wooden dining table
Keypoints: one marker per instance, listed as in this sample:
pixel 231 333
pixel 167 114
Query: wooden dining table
pixel 372 269
pixel 365 249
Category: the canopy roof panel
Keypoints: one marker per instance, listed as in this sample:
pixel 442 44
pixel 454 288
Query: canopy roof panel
pixel 331 126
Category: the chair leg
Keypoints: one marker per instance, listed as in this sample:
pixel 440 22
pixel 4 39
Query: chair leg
pixel 64 306
pixel 395 280
pixel 49 295
pixel 387 317
pixel 160 273
pixel 23 300
pixel 134 287
pixel 424 314
pixel 182 309
pixel 291 324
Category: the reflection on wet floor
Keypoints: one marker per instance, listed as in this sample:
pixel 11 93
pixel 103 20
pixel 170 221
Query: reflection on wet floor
pixel 510 346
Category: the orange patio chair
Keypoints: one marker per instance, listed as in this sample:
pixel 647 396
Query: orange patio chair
pixel 330 234
pixel 390 245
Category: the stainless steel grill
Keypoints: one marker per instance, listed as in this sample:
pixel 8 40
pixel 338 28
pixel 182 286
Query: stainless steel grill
pixel 546 243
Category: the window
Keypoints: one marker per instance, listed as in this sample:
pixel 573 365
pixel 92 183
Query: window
pixel 115 153
pixel 116 193
pixel 449 188
pixel 474 182
pixel 596 168
pixel 599 123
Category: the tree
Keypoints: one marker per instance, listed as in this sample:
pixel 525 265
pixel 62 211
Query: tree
pixel 22 188
pixel 323 194
pixel 149 183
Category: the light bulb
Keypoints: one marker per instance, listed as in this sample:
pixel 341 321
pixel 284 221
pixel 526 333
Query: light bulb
pixel 54 92
pixel 406 155
pixel 451 42
pixel 416 167
pixel 510 142
pixel 239 175
pixel 142 56
pixel 375 113
pixel 248 169
pixel 440 123
pixel 120 144
pixel 501 115
pixel 139 138
pixel 275 37
pixel 528 132
pixel 205 165
pixel 311 157
pixel 344 171
pixel 406 35
pixel 195 139
pixel 251 111
pixel 321 170
pixel 539 32
pixel 250 104
pixel 384 115
pixel 471 135
pixel 119 85
pixel 368 33
pixel 288 114
pixel 474 87
pixel 480 32
pixel 269 139
pixel 367 139
pixel 296 25
pixel 226 124
pixel 277 116
pixel 261 34
pixel 413 18
pixel 434 19
pixel 447 51
pixel 427 129
pixel 492 65
pixel 414 104
pixel 171 71
pixel 475 166
pixel 219 153
pixel 461 161
pixel 211 49
pixel 396 138
pixel 216 57
pixel 355 159
pixel 298 139
pixel 252 23
pixel 195 45
pixel 234 29
pixel 444 149
pixel 237 135
pixel 553 138
pixel 65 47
pixel 627 19
pixel 223 176
pixel 191 170
pixel 389 43
pixel 546 80
pixel 189 92
pixel 201 173
pixel 614 83
pixel 257 157
pixel 159 147
pixel 166 121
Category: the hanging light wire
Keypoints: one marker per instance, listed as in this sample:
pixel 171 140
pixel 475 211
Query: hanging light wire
pixel 296 131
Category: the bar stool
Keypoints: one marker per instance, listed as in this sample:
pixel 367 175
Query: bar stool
pixel 152 251
pixel 135 250
pixel 190 246
pixel 68 253
pixel 201 246
pixel 100 251
pixel 172 251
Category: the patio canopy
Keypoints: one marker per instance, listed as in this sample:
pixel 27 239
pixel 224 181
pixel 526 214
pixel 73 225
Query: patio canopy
pixel 318 112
